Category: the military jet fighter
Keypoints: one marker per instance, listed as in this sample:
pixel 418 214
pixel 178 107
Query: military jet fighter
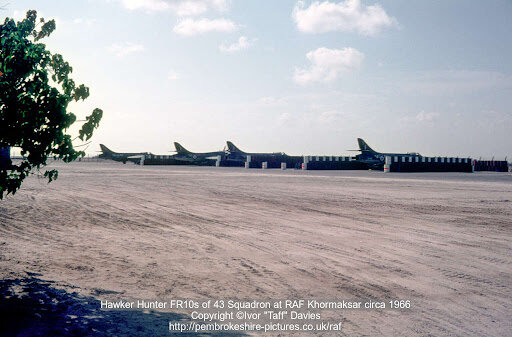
pixel 106 153
pixel 377 159
pixel 194 157
pixel 234 153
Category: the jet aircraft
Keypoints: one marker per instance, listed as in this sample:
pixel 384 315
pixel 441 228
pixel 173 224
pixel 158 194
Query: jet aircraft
pixel 377 159
pixel 185 155
pixel 234 153
pixel 106 153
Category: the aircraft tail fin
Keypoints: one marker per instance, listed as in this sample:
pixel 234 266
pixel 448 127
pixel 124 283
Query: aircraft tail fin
pixel 363 146
pixel 105 149
pixel 233 148
pixel 180 149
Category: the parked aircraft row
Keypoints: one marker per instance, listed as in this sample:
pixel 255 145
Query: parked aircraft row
pixel 232 153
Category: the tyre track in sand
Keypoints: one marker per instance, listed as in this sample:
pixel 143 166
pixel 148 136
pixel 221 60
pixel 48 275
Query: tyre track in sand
pixel 442 241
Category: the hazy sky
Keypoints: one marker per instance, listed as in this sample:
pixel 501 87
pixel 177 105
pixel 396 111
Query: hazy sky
pixel 302 77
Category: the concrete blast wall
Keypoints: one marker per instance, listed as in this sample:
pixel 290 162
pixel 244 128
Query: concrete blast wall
pixel 430 164
pixel 491 165
pixel 333 163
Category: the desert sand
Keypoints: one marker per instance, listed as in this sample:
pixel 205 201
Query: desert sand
pixel 108 230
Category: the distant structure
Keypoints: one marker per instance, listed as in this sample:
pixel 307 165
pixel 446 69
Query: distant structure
pixel 5 157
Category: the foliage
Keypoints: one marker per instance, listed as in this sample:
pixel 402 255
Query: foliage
pixel 35 90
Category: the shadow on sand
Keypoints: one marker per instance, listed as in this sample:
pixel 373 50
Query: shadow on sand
pixel 33 307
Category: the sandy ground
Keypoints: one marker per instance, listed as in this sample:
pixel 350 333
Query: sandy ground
pixel 443 241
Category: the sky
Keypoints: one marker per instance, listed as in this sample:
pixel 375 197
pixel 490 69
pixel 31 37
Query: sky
pixel 301 77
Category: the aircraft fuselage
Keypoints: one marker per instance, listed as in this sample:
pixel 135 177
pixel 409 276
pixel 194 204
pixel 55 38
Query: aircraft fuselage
pixel 380 158
pixel 193 157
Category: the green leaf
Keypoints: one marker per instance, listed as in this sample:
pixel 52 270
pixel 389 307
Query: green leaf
pixel 33 112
